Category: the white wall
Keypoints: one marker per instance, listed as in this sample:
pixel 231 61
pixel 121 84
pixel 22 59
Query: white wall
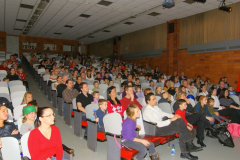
pixel 13 44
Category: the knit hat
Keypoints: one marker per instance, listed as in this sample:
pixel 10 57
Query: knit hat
pixel 29 108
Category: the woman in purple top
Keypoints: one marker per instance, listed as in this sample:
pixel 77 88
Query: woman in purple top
pixel 130 139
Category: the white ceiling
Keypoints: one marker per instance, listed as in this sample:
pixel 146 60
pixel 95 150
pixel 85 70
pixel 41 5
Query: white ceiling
pixel 59 13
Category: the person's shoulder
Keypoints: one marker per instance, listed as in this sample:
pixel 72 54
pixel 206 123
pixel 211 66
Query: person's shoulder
pixel 55 128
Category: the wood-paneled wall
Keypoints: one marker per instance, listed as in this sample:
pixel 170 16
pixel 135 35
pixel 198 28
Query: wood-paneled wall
pixel 103 48
pixel 41 41
pixel 211 26
pixel 3 41
pixel 148 39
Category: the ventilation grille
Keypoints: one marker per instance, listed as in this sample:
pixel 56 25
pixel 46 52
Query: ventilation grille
pixel 234 47
pixel 216 49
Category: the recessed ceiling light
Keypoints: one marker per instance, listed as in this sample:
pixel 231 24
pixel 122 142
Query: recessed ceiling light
pixel 128 23
pixel 104 3
pixel 21 20
pixel 68 26
pixel 26 6
pixel 84 15
pixel 58 33
pixel 17 29
pixel 154 14
pixel 106 31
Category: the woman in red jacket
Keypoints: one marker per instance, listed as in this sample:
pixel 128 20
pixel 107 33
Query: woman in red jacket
pixel 113 104
pixel 44 141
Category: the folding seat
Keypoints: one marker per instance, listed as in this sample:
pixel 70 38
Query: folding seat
pixel 10 148
pixel 15 83
pixel 67 112
pixel 17 111
pixel 17 88
pixel 93 135
pixel 103 86
pixel 3 84
pixel 17 94
pixel 78 122
pixel 45 80
pixel 54 96
pixel 5 95
pixel 165 107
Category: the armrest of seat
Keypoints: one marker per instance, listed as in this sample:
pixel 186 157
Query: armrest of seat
pixel 68 150
pixel 150 128
pixel 112 135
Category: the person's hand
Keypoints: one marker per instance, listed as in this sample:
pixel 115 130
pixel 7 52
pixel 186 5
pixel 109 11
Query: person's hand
pixel 131 97
pixel 223 107
pixel 217 114
pixel 187 100
pixel 210 119
pixel 15 131
pixel 97 119
pixel 145 142
pixel 139 127
pixel 189 126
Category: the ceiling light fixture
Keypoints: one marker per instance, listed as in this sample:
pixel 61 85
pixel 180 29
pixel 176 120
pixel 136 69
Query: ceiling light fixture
pixel 223 7
pixel 41 6
pixel 168 3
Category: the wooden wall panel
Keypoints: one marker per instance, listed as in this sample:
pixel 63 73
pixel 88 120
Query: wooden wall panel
pixel 103 48
pixel 211 26
pixel 148 39
pixel 3 41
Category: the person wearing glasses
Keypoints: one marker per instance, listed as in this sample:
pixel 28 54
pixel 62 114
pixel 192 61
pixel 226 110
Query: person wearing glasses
pixel 44 141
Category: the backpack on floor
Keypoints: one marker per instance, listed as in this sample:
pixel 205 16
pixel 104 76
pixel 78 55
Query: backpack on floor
pixel 225 138
pixel 234 129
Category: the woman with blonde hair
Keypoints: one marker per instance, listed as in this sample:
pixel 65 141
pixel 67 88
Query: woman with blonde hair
pixel 158 90
pixel 27 98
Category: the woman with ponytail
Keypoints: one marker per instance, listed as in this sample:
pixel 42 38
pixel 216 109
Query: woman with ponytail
pixel 44 141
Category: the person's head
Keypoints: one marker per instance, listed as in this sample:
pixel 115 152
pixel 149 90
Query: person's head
pixel 133 112
pixel 3 113
pixel 166 83
pixel 171 84
pixel 83 75
pixel 175 73
pixel 212 92
pixel 184 83
pixel 225 79
pixel 146 91
pixel 102 103
pixel 210 102
pixel 84 87
pixel 6 80
pixel 182 74
pixel 151 99
pixel 129 90
pixel 223 93
pixel 129 78
pixel 64 79
pixel 66 70
pixel 112 95
pixel 45 116
pixel 29 113
pixel 137 81
pixel 111 83
pixel 202 100
pixel 95 94
pixel 12 71
pixel 182 89
pixel 175 79
pixel 33 103
pixel 151 83
pixel 188 81
pixel 180 95
pixel 11 57
pixel 203 88
pixel 230 88
pixel 164 95
pixel 98 75
pixel 4 63
pixel 96 84
pixel 221 84
pixel 27 98
pixel 182 104
pixel 125 72
pixel 138 89
pixel 69 84
pixel 192 83
pixel 79 80
pixel 158 89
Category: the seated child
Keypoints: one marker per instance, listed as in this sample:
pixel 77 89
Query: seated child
pixel 181 112
pixel 137 83
pixel 6 80
pixel 99 114
pixel 29 113
pixel 151 85
pixel 111 83
pixel 231 91
pixel 98 77
pixel 95 95
pixel 33 103
pixel 105 81
pixel 96 85
pixel 46 72
pixel 129 136
pixel 21 74
pixel 123 85
pixel 164 98
pixel 192 85
pixel 139 92
pixel 107 76
pixel 119 77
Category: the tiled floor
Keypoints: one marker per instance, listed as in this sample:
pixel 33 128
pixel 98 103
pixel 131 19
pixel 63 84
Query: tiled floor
pixel 213 151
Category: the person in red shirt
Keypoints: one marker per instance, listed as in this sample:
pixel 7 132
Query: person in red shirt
pixel 113 104
pixel 11 60
pixel 181 112
pixel 129 98
pixel 4 66
pixel 21 74
pixel 45 141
